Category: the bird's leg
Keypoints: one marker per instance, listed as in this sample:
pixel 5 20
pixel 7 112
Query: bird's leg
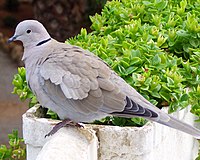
pixel 64 123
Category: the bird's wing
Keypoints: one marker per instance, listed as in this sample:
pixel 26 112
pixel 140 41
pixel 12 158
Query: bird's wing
pixel 136 104
pixel 81 79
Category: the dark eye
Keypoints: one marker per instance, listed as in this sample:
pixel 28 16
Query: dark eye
pixel 28 31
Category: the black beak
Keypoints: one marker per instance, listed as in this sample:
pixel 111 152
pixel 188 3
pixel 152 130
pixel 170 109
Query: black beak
pixel 11 39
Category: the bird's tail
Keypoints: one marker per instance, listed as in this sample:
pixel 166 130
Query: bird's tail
pixel 184 127
pixel 145 109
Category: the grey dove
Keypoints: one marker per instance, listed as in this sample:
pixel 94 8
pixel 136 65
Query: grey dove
pixel 78 85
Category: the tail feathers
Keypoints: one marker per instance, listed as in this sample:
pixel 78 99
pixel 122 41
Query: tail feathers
pixel 184 127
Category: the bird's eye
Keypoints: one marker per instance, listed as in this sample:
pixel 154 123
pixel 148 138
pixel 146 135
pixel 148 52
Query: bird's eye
pixel 28 31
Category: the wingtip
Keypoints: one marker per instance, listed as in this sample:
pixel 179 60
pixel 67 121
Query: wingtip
pixel 197 137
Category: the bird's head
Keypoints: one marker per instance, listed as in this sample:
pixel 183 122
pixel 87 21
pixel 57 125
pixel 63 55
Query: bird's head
pixel 30 33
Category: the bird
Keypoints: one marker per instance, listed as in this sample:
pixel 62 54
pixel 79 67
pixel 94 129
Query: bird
pixel 78 85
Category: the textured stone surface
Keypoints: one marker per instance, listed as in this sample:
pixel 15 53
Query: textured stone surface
pixel 151 142
pixel 68 143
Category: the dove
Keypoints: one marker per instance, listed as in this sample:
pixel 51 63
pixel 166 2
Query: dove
pixel 78 85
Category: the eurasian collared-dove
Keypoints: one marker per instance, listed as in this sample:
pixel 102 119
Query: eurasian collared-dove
pixel 78 85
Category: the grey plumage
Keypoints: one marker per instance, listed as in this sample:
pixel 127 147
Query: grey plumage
pixel 78 85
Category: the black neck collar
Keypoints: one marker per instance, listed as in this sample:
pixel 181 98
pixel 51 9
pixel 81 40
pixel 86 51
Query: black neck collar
pixel 42 42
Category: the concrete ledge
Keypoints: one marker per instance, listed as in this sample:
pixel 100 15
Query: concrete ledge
pixel 151 142
pixel 69 144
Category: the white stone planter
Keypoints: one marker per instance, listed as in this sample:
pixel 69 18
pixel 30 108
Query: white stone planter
pixel 151 142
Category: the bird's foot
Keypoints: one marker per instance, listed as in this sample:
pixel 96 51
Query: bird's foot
pixel 64 123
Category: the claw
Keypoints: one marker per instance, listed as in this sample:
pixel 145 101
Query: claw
pixel 64 123
pixel 79 125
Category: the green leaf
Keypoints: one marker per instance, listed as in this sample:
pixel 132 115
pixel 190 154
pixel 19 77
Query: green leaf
pixel 198 158
pixel 194 42
pixel 139 121
pixel 165 95
pixel 166 88
pixel 155 88
pixel 118 121
pixel 182 33
pixel 156 60
pixel 145 88
pixel 161 5
pixel 184 97
pixel 122 70
pixel 124 64
pixel 135 61
pixel 146 3
pixel 186 47
pixel 148 81
pixel 155 94
pixel 170 81
pixel 131 69
pixel 153 101
pixel 52 114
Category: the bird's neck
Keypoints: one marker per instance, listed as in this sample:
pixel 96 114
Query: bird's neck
pixel 36 50
pixel 43 41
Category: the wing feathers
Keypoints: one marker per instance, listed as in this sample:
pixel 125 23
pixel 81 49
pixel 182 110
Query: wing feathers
pixel 106 84
pixel 133 109
pixel 96 93
pixel 84 81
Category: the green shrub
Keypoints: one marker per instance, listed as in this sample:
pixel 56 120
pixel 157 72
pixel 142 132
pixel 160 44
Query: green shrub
pixel 16 149
pixel 153 45
pixel 21 87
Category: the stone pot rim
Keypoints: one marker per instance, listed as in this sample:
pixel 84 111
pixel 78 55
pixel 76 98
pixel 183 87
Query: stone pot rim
pixel 30 114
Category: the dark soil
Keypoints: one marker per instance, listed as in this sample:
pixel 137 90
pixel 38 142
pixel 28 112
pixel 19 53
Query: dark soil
pixel 10 18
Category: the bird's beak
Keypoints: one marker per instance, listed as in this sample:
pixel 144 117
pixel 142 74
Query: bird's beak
pixel 13 38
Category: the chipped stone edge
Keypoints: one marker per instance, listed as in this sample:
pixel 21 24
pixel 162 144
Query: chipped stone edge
pixel 146 139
